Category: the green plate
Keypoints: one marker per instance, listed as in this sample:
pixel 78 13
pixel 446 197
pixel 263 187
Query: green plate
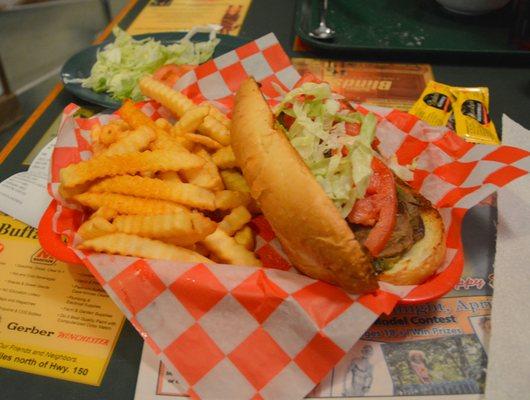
pixel 401 27
pixel 79 65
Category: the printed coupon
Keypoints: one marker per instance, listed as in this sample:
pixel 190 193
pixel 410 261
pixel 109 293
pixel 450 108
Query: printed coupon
pixel 386 85
pixel 182 15
pixel 55 319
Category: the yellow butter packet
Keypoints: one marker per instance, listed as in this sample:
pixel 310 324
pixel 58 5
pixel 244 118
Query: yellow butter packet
pixel 471 116
pixel 435 104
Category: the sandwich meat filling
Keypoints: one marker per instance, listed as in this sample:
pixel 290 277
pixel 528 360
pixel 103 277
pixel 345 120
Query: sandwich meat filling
pixel 408 228
pixel 336 143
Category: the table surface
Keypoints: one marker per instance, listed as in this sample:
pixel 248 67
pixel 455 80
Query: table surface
pixel 509 92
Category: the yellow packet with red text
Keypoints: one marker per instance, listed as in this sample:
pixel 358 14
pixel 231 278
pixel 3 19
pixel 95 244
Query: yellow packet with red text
pixel 435 104
pixel 471 116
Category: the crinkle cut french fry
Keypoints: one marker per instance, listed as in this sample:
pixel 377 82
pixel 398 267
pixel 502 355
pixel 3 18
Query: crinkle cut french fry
pixel 69 193
pixel 98 149
pixel 203 140
pixel 109 134
pixel 202 227
pixel 124 126
pixel 133 116
pixel 245 237
pixel 179 104
pixel 130 163
pixel 113 131
pixel 190 120
pixel 187 144
pixel 216 130
pixel 227 199
pixel 226 249
pixel 95 133
pixel 219 116
pixel 233 180
pixel 183 193
pixel 164 124
pixel 206 176
pixel 136 246
pixel 224 158
pixel 184 241
pixel 135 141
pixel 236 220
pixel 169 176
pixel 127 204
pixel 137 118
pixel 105 213
pixel 156 226
pixel 164 141
pixel 175 101
pixel 95 227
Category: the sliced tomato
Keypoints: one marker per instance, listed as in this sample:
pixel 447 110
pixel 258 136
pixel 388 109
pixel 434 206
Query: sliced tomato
pixel 170 73
pixel 353 128
pixel 307 77
pixel 364 212
pixel 287 121
pixel 380 205
pixel 345 105
pixel 300 98
pixel 343 151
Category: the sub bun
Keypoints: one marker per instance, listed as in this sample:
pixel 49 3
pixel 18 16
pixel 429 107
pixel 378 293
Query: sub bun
pixel 315 237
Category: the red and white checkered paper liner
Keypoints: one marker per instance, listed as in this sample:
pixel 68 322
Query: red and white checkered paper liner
pixel 251 333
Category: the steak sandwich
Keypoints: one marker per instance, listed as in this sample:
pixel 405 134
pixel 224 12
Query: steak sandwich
pixel 341 214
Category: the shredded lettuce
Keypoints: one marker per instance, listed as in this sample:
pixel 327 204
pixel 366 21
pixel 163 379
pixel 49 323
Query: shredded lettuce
pixel 403 172
pixel 319 135
pixel 123 62
pixel 361 155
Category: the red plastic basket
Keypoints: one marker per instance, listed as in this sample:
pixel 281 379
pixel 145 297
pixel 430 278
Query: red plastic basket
pixel 430 290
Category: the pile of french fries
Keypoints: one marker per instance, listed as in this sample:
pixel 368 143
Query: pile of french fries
pixel 164 191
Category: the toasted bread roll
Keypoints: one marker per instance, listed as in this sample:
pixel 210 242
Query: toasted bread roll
pixel 315 237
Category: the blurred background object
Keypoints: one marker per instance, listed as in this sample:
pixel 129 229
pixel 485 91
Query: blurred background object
pixel 472 7
pixel 37 37
pixel 521 33
pixel 10 111
pixel 323 32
